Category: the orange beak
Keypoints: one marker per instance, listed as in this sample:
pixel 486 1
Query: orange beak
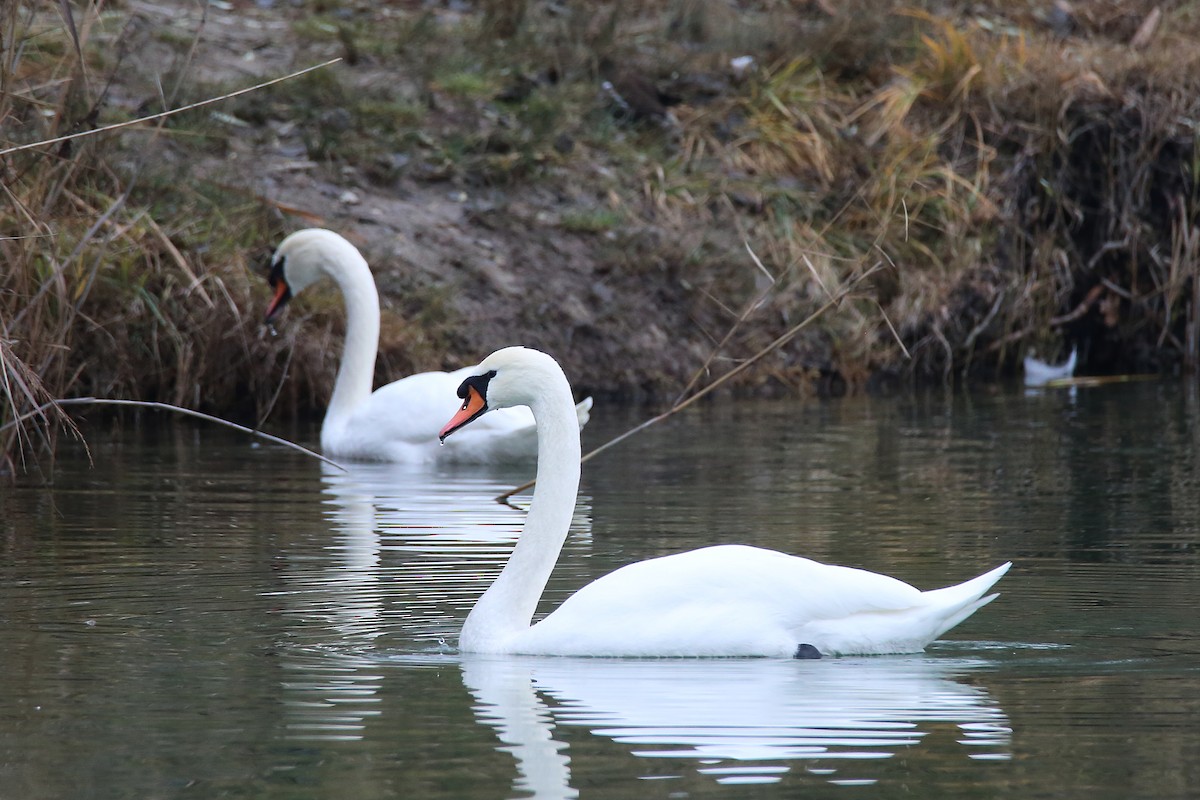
pixel 474 406
pixel 282 295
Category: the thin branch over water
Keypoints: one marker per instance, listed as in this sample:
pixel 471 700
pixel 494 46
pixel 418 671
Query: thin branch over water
pixel 98 401
pixel 170 112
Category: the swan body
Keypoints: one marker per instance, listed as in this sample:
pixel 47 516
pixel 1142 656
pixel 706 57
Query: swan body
pixel 400 421
pixel 1039 373
pixel 726 600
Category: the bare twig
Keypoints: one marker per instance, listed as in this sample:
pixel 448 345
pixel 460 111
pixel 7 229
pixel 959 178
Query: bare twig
pixel 283 375
pixel 882 313
pixel 892 328
pixel 1088 301
pixel 169 112
pixel 746 312
pixel 781 340
pixel 1056 322
pixel 978 330
pixel 816 277
pixel 98 401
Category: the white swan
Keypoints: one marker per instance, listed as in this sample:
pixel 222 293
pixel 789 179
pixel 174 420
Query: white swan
pixel 399 421
pixel 1039 373
pixel 728 600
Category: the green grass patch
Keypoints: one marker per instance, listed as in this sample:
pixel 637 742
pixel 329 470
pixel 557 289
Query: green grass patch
pixel 597 220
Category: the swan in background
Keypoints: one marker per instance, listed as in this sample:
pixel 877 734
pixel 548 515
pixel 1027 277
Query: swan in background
pixel 397 422
pixel 728 600
pixel 1039 373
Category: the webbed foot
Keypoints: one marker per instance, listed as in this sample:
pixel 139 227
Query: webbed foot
pixel 806 650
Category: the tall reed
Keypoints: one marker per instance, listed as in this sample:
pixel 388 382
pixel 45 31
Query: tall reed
pixel 118 282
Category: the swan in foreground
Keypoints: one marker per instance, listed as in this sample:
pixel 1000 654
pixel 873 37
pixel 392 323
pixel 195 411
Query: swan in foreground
pixel 1039 373
pixel 728 600
pixel 399 421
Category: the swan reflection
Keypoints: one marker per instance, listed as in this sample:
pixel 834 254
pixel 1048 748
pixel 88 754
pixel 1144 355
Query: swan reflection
pixel 409 548
pixel 736 721
pixel 422 542
pixel 400 535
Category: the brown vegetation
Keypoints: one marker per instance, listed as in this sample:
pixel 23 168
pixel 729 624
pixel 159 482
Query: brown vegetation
pixel 584 177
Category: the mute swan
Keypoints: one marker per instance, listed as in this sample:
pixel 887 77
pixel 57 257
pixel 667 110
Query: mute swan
pixel 727 600
pixel 1039 373
pixel 399 421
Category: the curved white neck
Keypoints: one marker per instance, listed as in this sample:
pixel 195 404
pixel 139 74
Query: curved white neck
pixel 507 607
pixel 357 371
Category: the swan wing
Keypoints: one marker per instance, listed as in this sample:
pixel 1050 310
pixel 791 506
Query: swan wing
pixel 400 421
pixel 736 600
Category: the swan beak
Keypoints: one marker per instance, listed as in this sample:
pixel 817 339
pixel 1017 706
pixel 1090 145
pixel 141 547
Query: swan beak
pixel 472 408
pixel 282 295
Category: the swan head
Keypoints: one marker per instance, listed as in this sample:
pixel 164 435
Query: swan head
pixel 514 376
pixel 301 260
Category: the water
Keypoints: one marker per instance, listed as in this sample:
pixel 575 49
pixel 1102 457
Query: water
pixel 195 615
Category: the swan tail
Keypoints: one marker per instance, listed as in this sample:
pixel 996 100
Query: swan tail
pixel 954 604
pixel 583 410
pixel 901 630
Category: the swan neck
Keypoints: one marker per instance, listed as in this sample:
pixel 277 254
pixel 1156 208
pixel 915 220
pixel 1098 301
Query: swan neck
pixel 357 371
pixel 507 607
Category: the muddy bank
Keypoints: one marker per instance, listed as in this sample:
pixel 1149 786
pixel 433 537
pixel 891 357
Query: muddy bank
pixel 462 272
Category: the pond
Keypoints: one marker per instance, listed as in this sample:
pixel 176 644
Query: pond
pixel 195 614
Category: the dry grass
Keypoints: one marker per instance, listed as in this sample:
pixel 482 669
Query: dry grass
pixel 1030 178
pixel 119 281
pixel 1024 172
